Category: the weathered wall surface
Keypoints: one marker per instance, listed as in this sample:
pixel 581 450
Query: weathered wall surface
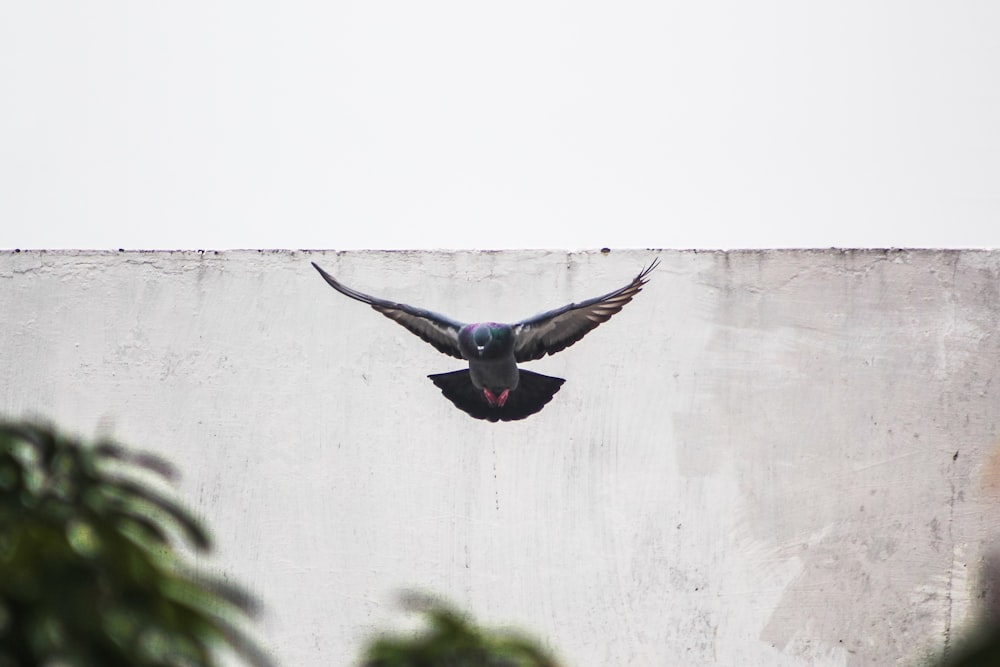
pixel 768 458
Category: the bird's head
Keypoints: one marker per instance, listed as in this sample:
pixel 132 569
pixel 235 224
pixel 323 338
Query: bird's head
pixel 481 338
pixel 487 340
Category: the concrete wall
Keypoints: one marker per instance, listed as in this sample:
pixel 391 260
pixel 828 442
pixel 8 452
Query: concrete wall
pixel 768 458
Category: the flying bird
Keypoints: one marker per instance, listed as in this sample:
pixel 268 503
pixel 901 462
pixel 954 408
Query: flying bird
pixel 493 387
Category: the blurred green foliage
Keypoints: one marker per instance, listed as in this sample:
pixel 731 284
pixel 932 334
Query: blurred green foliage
pixel 92 566
pixel 979 646
pixel 448 640
pixel 980 649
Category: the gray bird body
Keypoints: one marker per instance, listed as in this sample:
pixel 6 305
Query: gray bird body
pixel 493 387
pixel 495 375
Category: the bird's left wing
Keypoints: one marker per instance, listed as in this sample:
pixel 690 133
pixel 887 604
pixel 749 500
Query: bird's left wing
pixel 438 330
pixel 557 329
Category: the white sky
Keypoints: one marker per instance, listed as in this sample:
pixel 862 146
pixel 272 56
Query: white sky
pixel 224 124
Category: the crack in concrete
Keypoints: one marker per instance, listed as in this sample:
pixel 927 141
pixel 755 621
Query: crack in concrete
pixel 949 593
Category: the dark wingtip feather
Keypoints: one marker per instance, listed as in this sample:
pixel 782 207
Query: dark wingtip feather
pixel 327 277
pixel 643 276
pixel 343 289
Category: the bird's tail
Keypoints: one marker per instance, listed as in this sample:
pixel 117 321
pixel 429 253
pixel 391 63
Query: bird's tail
pixel 533 391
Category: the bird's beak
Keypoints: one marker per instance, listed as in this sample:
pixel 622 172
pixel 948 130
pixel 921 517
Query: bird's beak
pixel 479 349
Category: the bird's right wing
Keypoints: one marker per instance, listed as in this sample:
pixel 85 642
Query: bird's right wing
pixel 438 330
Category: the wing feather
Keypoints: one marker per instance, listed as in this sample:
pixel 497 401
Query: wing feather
pixel 436 329
pixel 555 330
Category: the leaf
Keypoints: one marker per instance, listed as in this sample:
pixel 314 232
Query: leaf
pixel 88 569
pixel 142 498
pixel 145 460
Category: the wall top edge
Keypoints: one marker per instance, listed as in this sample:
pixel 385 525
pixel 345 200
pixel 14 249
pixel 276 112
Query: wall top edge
pixel 505 251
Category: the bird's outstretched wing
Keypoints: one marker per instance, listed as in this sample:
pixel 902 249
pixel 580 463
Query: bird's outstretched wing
pixel 438 330
pixel 555 330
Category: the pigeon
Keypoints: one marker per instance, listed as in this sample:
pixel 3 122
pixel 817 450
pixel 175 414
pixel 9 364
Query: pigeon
pixel 493 387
